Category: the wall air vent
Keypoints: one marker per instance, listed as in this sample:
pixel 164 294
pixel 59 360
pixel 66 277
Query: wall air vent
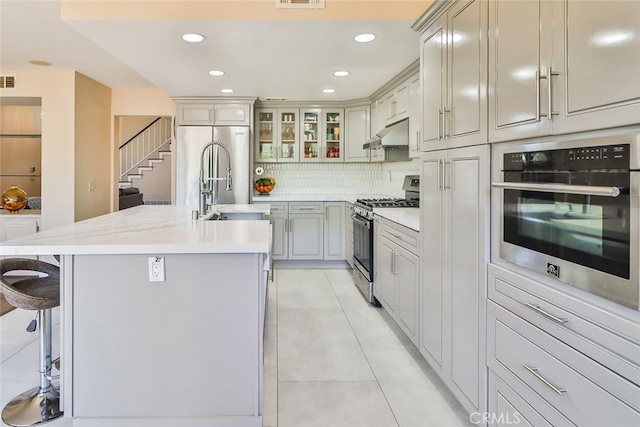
pixel 295 4
pixel 275 98
pixel 7 81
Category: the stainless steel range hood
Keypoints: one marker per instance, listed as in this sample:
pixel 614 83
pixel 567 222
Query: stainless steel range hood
pixel 395 135
pixel 391 143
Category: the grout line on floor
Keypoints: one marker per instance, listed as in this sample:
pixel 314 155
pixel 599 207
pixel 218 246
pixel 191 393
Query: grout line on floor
pixel 386 399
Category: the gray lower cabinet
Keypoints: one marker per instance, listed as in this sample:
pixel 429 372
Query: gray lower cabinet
pixel 348 234
pixel 334 231
pixel 454 235
pixel 397 272
pixel 279 218
pixel 557 360
pixel 308 230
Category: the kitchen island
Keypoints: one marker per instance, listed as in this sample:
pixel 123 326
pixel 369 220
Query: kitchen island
pixel 183 351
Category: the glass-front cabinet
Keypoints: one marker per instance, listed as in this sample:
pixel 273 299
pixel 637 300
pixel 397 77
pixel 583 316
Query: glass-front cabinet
pixel 266 148
pixel 299 135
pixel 311 135
pixel 278 138
pixel 333 150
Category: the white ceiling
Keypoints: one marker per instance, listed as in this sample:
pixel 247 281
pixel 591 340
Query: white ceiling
pixel 261 58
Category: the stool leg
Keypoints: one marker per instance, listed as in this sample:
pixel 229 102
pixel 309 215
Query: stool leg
pixel 40 404
pixel 45 349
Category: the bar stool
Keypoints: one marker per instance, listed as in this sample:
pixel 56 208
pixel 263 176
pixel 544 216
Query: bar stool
pixel 40 404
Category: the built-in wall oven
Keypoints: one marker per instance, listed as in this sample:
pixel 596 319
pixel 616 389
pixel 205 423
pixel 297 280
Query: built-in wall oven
pixel 569 210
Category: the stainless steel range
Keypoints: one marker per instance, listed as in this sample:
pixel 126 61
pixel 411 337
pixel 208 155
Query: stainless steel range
pixel 362 215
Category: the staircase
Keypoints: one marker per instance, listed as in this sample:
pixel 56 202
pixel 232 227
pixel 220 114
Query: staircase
pixel 149 146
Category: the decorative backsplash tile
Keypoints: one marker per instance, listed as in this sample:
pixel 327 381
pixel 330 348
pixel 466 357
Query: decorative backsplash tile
pixel 339 178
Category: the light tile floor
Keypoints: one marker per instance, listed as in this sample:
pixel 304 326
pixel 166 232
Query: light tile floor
pixel 331 360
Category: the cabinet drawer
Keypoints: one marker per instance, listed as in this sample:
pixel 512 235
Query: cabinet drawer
pixel 306 207
pixel 506 407
pixel 563 377
pixel 279 207
pixel 605 337
pixel 400 235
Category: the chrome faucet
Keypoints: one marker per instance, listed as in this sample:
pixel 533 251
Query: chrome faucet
pixel 207 184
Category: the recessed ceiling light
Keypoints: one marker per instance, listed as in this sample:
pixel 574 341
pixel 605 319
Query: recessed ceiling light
pixel 193 37
pixel 364 38
pixel 226 90
pixel 328 90
pixel 216 73
pixel 40 63
pixel 341 73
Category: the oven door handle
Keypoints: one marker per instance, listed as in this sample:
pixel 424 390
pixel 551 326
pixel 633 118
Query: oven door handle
pixel 361 222
pixel 560 188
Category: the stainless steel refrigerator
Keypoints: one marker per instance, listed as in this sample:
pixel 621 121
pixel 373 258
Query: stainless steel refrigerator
pixel 190 141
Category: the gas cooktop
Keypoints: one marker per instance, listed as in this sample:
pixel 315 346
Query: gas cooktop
pixel 388 203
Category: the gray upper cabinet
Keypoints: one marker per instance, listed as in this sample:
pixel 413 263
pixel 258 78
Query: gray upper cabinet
pixel 415 114
pixel 215 114
pixel 357 126
pixel 454 74
pixel 558 67
pixel 596 53
pixel 396 104
pixel 519 48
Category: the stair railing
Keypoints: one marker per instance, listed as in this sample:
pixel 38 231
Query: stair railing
pixel 145 145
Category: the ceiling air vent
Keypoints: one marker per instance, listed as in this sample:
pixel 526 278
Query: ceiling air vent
pixel 7 81
pixel 294 4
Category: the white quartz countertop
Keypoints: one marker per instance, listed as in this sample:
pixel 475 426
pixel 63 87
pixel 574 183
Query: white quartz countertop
pixel 157 229
pixel 24 213
pixel 409 217
pixel 309 198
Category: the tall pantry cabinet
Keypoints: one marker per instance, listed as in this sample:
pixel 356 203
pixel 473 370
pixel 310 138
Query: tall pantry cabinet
pixel 454 235
pixel 454 196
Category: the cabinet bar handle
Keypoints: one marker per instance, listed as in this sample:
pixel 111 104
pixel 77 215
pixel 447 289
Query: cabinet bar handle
pixel 444 122
pixel 534 371
pixel 391 259
pixel 440 177
pixel 439 123
pixel 446 166
pixel 306 208
pixel 538 112
pixel 397 236
pixel 537 309
pixel 550 111
pixel 588 190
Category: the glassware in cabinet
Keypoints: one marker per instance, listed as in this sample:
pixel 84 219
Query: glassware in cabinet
pixel 288 135
pixel 333 136
pixel 266 143
pixel 311 134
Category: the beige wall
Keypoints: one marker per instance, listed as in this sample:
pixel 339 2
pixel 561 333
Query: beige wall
pixel 156 183
pixel 56 88
pixel 60 153
pixel 93 187
pixel 129 126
